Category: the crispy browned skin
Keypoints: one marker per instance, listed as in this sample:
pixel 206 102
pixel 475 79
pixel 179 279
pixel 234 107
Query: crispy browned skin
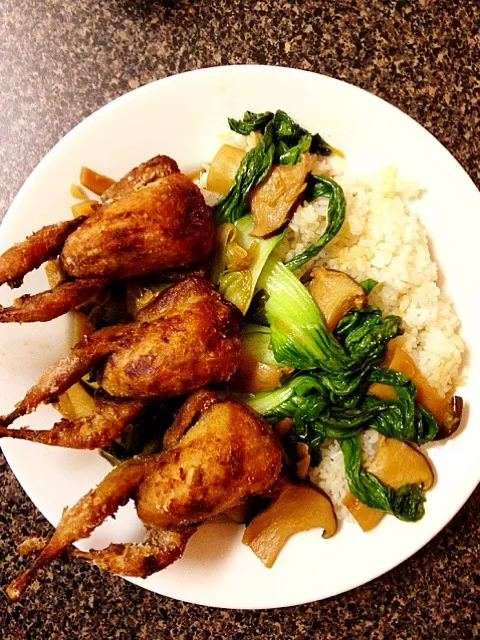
pixel 36 249
pixel 79 521
pixel 146 173
pixel 50 304
pixel 163 226
pixel 187 415
pixel 160 549
pixel 111 417
pixel 228 454
pixel 187 338
pixel 62 375
pixel 153 220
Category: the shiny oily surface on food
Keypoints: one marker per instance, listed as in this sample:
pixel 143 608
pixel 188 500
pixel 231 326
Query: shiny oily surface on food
pixel 176 489
pixel 333 573
pixel 152 220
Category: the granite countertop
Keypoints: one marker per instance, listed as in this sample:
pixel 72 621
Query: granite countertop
pixel 61 60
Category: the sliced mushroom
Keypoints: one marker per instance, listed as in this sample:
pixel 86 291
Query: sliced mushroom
pixel 335 294
pixel 303 462
pixel 274 200
pixel 223 168
pixel 253 376
pixel 396 463
pixel 296 508
pixel 447 410
pixel 283 426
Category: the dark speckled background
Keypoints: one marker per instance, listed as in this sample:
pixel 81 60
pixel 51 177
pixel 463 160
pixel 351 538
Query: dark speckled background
pixel 59 61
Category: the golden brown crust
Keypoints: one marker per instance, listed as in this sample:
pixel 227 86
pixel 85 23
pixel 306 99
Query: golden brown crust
pixel 189 339
pixel 188 414
pixel 79 521
pixel 146 173
pixel 52 303
pixel 229 454
pixel 91 432
pixel 32 252
pixel 166 225
pixel 160 549
pixel 62 375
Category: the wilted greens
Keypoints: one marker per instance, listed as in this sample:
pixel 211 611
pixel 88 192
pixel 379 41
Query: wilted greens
pixel 282 142
pixel 253 169
pixel 239 260
pixel 406 503
pixel 321 186
pixel 327 395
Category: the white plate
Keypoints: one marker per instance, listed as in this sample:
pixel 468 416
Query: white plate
pixel 181 116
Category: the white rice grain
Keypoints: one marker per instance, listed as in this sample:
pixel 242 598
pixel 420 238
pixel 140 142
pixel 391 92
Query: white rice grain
pixel 382 238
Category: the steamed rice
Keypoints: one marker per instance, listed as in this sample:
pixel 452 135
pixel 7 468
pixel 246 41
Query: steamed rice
pixel 382 238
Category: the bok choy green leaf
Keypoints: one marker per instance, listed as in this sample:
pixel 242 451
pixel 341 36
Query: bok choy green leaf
pixel 251 122
pixel 300 337
pixel 283 141
pixel 253 169
pixel 321 186
pixel 307 399
pixel 237 276
pixel 406 503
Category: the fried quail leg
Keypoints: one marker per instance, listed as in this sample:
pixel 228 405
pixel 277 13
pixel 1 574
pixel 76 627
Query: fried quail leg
pixel 90 511
pixel 50 304
pixel 160 549
pixel 227 455
pixel 58 378
pixel 187 415
pixel 35 250
pixel 92 432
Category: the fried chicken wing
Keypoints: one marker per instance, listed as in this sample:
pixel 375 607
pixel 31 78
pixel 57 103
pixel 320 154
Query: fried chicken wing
pixel 98 430
pixel 228 454
pixel 25 256
pixel 185 339
pixel 50 304
pixel 153 220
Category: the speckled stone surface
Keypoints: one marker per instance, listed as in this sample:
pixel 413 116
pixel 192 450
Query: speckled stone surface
pixel 61 60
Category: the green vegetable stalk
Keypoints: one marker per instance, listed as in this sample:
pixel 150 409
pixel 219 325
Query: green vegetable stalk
pixel 237 283
pixel 300 337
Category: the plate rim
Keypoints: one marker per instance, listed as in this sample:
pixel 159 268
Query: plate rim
pixel 131 95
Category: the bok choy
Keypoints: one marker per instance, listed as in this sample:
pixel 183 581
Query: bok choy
pixel 406 503
pixel 238 261
pixel 321 186
pixel 282 142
